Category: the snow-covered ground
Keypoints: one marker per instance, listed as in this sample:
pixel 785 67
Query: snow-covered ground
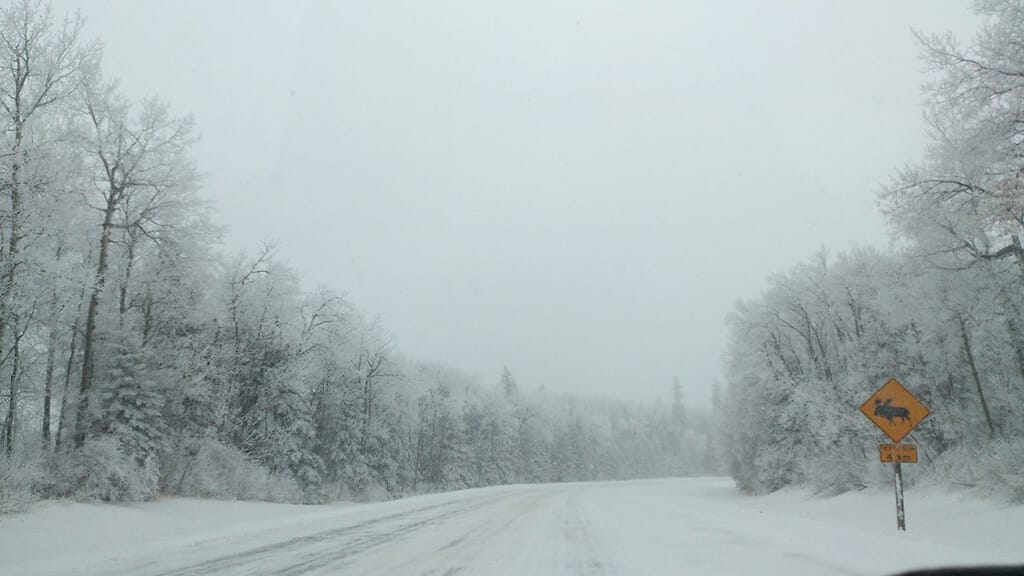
pixel 691 526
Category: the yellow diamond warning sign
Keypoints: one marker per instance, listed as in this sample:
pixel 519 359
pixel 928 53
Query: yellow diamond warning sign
pixel 895 410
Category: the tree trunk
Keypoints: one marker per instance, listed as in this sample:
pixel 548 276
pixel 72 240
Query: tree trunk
pixel 62 424
pixel 1012 315
pixel 974 374
pixel 147 319
pixel 1015 239
pixel 88 341
pixel 51 355
pixel 122 305
pixel 51 360
pixel 367 407
pixel 7 319
pixel 12 405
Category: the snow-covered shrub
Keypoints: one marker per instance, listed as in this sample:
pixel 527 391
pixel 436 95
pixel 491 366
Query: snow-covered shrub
pixel 774 469
pixel 999 470
pixel 1007 469
pixel 210 469
pixel 18 472
pixel 837 471
pixel 279 488
pixel 101 470
pixel 993 469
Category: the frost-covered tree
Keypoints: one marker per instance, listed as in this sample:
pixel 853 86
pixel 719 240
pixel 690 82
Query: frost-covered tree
pixel 508 382
pixel 142 166
pixel 966 200
pixel 42 62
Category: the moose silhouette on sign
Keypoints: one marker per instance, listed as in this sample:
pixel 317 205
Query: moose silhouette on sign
pixel 889 412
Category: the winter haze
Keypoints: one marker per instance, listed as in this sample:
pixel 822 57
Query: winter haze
pixel 579 191
pixel 510 290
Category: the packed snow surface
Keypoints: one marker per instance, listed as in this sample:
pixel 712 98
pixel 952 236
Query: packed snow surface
pixel 689 526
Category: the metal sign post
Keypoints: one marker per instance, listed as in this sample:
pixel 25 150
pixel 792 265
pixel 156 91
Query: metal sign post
pixel 896 412
pixel 901 516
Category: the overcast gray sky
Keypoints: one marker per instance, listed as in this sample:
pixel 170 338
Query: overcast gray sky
pixel 579 190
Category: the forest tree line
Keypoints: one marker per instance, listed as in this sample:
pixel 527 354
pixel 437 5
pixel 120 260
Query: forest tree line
pixel 941 312
pixel 138 359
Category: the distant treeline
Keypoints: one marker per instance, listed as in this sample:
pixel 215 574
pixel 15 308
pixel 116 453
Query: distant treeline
pixel 136 359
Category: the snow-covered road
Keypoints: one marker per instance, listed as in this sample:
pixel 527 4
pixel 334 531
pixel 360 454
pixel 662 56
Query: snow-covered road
pixel 697 526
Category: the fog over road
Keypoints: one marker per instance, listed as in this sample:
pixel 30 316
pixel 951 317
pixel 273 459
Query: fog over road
pixel 690 526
